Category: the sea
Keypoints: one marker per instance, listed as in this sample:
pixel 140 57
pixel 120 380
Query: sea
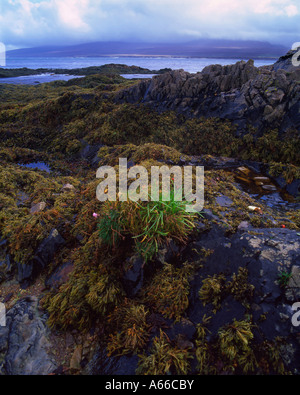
pixel 191 65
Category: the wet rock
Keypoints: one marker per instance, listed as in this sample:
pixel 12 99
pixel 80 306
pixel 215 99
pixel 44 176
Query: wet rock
pixel 265 253
pixel 22 198
pixel 208 214
pixel 243 170
pixel 130 164
pixel 293 188
pixel 7 266
pixel 292 292
pixel 133 277
pixel 184 328
pixel 38 208
pixel 59 276
pixel 285 62
pixel 241 93
pixel 224 201
pixel 168 252
pixel 262 179
pixel 24 346
pixel 24 273
pixel 43 256
pixel 68 188
pixel 269 188
pixel 102 365
pixel 90 154
pixel 213 162
pixel 244 225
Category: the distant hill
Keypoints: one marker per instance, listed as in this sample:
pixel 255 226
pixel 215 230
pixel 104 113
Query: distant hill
pixel 204 48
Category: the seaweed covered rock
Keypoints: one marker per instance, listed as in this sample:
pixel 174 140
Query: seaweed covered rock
pixel 7 266
pixel 254 273
pixel 263 97
pixel 133 275
pixel 42 257
pixel 102 365
pixel 24 347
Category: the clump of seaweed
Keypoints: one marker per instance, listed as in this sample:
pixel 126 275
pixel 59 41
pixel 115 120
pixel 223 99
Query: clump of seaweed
pixel 91 293
pixel 133 330
pixel 212 290
pixel 235 346
pixel 164 358
pixel 168 291
pixel 215 289
pixel 239 287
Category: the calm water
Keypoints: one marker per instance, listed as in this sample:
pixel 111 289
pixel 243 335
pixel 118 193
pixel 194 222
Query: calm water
pixel 192 65
pixel 37 166
pixel 36 79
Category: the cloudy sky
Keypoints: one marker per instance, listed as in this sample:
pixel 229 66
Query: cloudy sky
pixel 28 23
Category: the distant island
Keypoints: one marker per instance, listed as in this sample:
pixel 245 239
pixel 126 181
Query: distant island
pixel 202 48
pixel 86 71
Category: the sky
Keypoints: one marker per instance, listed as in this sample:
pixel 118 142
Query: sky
pixel 31 23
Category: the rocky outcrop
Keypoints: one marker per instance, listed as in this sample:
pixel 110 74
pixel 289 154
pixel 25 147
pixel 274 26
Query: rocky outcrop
pixel 286 62
pixel 102 365
pixel 266 254
pixel 42 257
pixel 262 97
pixel 24 347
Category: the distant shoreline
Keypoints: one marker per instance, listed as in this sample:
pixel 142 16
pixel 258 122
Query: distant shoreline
pixel 144 56
pixel 84 66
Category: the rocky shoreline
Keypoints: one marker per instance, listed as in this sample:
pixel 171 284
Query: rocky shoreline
pixel 83 293
pixel 244 94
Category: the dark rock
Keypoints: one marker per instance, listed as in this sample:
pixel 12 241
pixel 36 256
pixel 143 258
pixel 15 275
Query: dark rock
pixel 102 365
pixel 207 214
pixel 24 273
pixel 230 310
pixel 265 253
pixel 7 265
pixel 168 252
pixel 59 276
pixel 224 201
pixel 285 62
pixel 24 347
pixel 8 297
pixel 90 154
pixel 292 291
pixel 244 225
pixel 130 164
pixel 184 328
pixel 22 198
pixel 37 207
pixel 240 93
pixel 293 188
pixel 42 257
pixel 133 277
